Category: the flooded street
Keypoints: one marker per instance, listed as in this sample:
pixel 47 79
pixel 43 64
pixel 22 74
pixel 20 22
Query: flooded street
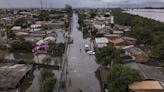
pixel 81 66
pixel 59 37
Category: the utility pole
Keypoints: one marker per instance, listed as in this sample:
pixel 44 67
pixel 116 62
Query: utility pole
pixel 108 3
pixel 41 4
pixel 51 4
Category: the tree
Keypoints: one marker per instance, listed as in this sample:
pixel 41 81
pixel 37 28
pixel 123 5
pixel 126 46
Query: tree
pixel 43 15
pixel 106 55
pixel 57 49
pixel 47 60
pixel 48 81
pixel 144 37
pixel 17 45
pixel 48 85
pixel 120 77
pixel 69 9
pixel 92 14
pixel 21 22
pixel 45 73
pixel 10 33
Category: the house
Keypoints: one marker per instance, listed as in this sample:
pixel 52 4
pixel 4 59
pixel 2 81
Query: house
pixel 153 78
pixel 112 19
pixel 148 72
pixel 36 27
pixel 117 32
pixel 116 41
pixel 130 39
pixel 13 76
pixel 55 25
pixel 41 23
pixel 119 42
pixel 16 28
pixel 101 42
pixel 33 26
pixel 22 34
pixel 146 86
pixel 8 21
pixel 112 36
pixel 104 30
pixel 126 29
pixel 136 53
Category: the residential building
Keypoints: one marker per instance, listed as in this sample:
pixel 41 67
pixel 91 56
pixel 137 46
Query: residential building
pixel 101 42
pixel 146 86
pixel 13 75
pixel 16 28
pixel 137 54
pixel 148 72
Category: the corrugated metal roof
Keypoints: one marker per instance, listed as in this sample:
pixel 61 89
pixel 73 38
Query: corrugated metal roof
pixel 145 85
pixel 101 40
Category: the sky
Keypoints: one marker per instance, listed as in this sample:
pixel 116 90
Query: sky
pixel 80 3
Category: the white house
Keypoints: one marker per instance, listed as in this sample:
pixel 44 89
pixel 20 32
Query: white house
pixel 112 19
pixel 101 42
pixel 35 26
pixel 16 28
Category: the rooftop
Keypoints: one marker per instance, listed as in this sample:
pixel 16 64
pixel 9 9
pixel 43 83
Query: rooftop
pixel 118 32
pixel 135 51
pixel 145 85
pixel 11 74
pixel 149 72
pixel 101 40
pixel 16 28
pixel 116 41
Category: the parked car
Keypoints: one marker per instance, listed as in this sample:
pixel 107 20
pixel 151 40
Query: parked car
pixel 91 52
pixel 86 47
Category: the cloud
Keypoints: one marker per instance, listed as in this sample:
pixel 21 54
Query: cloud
pixel 78 3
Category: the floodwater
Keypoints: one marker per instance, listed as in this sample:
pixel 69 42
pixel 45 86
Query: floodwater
pixel 59 37
pixel 81 66
pixel 38 59
pixel 156 14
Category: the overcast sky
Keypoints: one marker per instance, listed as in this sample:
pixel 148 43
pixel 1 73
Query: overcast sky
pixel 80 3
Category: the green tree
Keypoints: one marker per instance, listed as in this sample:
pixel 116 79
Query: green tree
pixel 106 55
pixel 21 22
pixel 92 14
pixel 47 60
pixel 43 15
pixel 17 45
pixel 59 48
pixel 48 85
pixel 144 37
pixel 47 80
pixel 2 46
pixel 120 77
pixel 69 9
pixel 10 33
pixel 45 73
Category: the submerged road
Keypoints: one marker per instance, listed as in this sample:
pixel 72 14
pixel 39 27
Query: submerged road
pixel 81 66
